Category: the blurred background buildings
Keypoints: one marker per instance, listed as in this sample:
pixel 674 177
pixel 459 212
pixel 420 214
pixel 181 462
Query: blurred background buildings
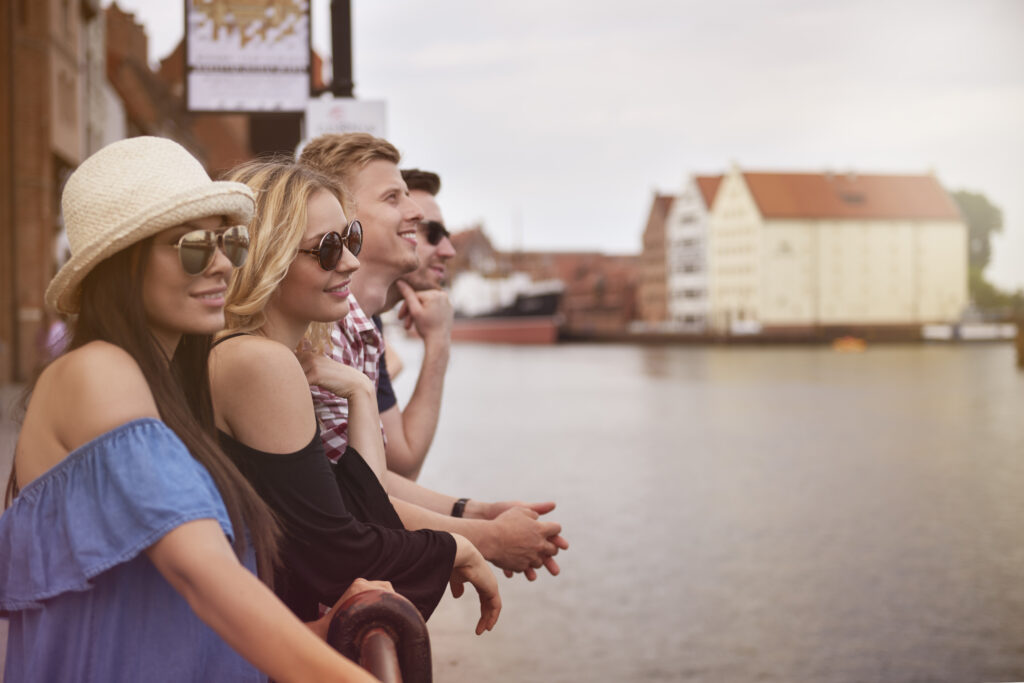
pixel 55 109
pixel 78 79
pixel 798 252
pixel 769 254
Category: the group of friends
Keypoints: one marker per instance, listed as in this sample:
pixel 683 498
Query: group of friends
pixel 218 460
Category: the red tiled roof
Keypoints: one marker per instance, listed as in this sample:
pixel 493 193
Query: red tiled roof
pixel 708 186
pixel 825 195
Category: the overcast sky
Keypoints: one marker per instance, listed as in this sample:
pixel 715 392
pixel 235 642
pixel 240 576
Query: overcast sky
pixel 553 122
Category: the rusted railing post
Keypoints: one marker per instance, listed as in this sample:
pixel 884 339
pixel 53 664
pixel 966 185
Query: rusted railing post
pixel 385 634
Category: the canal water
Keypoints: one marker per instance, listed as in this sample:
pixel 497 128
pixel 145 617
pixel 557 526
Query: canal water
pixel 744 514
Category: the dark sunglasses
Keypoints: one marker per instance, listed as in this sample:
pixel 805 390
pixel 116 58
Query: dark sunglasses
pixel 333 244
pixel 435 232
pixel 196 248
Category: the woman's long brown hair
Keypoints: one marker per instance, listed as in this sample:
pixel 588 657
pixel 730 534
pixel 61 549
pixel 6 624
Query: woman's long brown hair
pixel 112 311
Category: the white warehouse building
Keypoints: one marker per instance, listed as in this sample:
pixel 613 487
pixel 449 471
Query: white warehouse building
pixel 797 251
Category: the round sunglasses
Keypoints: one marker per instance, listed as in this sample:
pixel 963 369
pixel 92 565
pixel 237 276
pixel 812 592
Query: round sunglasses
pixel 333 244
pixel 197 248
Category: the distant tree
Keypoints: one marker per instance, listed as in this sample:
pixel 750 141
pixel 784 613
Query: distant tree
pixel 994 303
pixel 983 219
pixel 984 294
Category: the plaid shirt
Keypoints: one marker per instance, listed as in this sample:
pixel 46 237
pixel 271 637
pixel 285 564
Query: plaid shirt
pixel 355 342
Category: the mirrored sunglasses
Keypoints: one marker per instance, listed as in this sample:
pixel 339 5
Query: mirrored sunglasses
pixel 197 248
pixel 434 231
pixel 333 244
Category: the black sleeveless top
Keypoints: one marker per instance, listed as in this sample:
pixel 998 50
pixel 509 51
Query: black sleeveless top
pixel 325 547
pixel 339 525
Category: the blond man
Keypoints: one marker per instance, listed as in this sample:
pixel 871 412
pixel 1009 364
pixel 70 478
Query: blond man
pixel 508 533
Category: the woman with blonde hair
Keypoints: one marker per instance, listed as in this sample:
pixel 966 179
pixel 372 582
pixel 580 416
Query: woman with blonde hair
pixel 337 519
pixel 131 542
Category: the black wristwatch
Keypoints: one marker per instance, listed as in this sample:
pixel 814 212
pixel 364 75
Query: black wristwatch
pixel 460 507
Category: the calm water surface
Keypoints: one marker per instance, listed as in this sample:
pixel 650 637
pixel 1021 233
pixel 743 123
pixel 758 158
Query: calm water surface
pixel 735 514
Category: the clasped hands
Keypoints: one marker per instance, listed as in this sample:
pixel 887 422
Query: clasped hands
pixel 524 542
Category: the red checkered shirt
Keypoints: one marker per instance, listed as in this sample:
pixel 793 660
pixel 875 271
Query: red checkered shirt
pixel 355 342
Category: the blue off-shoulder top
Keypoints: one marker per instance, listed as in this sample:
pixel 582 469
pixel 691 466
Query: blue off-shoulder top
pixel 83 599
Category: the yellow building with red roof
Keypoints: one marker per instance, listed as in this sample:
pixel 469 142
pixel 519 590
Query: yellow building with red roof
pixel 798 251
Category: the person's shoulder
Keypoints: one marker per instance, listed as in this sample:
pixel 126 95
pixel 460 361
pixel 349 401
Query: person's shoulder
pixel 257 382
pixel 251 361
pixel 99 371
pixel 245 347
pixel 100 385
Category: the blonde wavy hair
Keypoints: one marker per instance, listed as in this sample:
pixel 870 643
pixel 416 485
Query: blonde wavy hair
pixel 283 190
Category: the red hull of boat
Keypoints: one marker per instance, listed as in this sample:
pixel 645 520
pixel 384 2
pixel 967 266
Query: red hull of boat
pixel 515 330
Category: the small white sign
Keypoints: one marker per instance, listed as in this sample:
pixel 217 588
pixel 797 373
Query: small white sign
pixel 345 115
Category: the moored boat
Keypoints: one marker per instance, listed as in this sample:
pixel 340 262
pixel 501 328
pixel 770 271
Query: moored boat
pixel 511 310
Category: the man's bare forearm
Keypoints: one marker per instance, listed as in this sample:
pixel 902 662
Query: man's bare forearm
pixel 515 540
pixel 410 431
pixel 417 517
pixel 409 491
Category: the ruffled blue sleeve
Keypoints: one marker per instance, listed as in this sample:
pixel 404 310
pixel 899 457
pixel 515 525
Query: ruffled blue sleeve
pixel 105 503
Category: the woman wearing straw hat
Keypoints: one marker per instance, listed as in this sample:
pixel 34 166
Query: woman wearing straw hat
pixel 131 541
pixel 294 287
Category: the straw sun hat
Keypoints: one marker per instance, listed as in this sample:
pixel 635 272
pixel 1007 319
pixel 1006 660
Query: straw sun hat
pixel 126 192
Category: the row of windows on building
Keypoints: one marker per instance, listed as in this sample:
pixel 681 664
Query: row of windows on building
pixel 735 292
pixel 742 248
pixel 680 266
pixel 687 242
pixel 731 213
pixel 872 255
pixel 743 269
pixel 735 230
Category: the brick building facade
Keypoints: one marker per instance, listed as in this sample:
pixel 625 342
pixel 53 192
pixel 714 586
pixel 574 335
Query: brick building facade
pixel 652 297
pixel 42 124
pixel 76 77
